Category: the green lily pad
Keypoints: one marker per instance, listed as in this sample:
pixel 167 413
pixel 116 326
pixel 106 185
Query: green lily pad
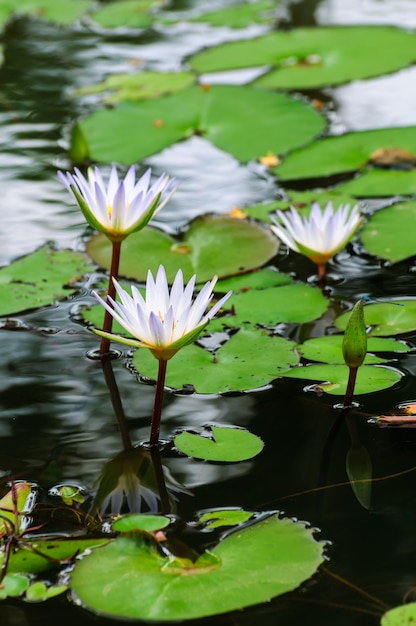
pixel 39 591
pixel 229 444
pixel 389 233
pixel 378 183
pixel 126 14
pixel 248 360
pixel 260 279
pixel 241 15
pixel 387 318
pixel 25 560
pixel 333 378
pixel 299 200
pixel 135 130
pixel 40 279
pixel 308 58
pixel 137 521
pixel 131 578
pixel 213 245
pixel 404 615
pixel 345 153
pixel 13 585
pixel 136 87
pixel 294 304
pixel 329 349
pixel 218 518
pixel 62 12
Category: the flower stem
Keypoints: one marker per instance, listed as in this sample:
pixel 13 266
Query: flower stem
pixel 157 407
pixel 108 318
pixel 350 387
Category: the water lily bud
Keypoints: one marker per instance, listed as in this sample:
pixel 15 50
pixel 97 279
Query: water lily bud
pixel 354 345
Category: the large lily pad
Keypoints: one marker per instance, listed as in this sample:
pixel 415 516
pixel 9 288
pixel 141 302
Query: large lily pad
pixel 333 378
pixel 241 15
pixel 309 58
pixel 131 577
pixel 390 318
pixel 143 86
pixel 248 360
pixel 135 130
pixel 40 279
pixel 345 153
pixel 390 232
pixel 213 245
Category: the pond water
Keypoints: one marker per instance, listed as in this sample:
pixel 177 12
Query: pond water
pixel 57 422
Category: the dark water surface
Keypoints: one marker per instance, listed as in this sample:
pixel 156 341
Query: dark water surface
pixel 57 414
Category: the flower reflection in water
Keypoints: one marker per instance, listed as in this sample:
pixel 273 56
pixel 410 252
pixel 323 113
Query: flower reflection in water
pixel 130 483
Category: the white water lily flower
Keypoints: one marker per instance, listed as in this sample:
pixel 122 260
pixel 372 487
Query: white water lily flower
pixel 163 321
pixel 320 236
pixel 121 207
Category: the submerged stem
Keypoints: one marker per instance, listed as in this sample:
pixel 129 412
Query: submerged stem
pixel 157 407
pixel 108 318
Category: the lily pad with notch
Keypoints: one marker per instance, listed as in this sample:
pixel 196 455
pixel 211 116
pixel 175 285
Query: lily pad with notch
pixel 223 444
pixel 135 130
pixel 306 58
pixel 248 360
pixel 212 245
pixel 131 578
